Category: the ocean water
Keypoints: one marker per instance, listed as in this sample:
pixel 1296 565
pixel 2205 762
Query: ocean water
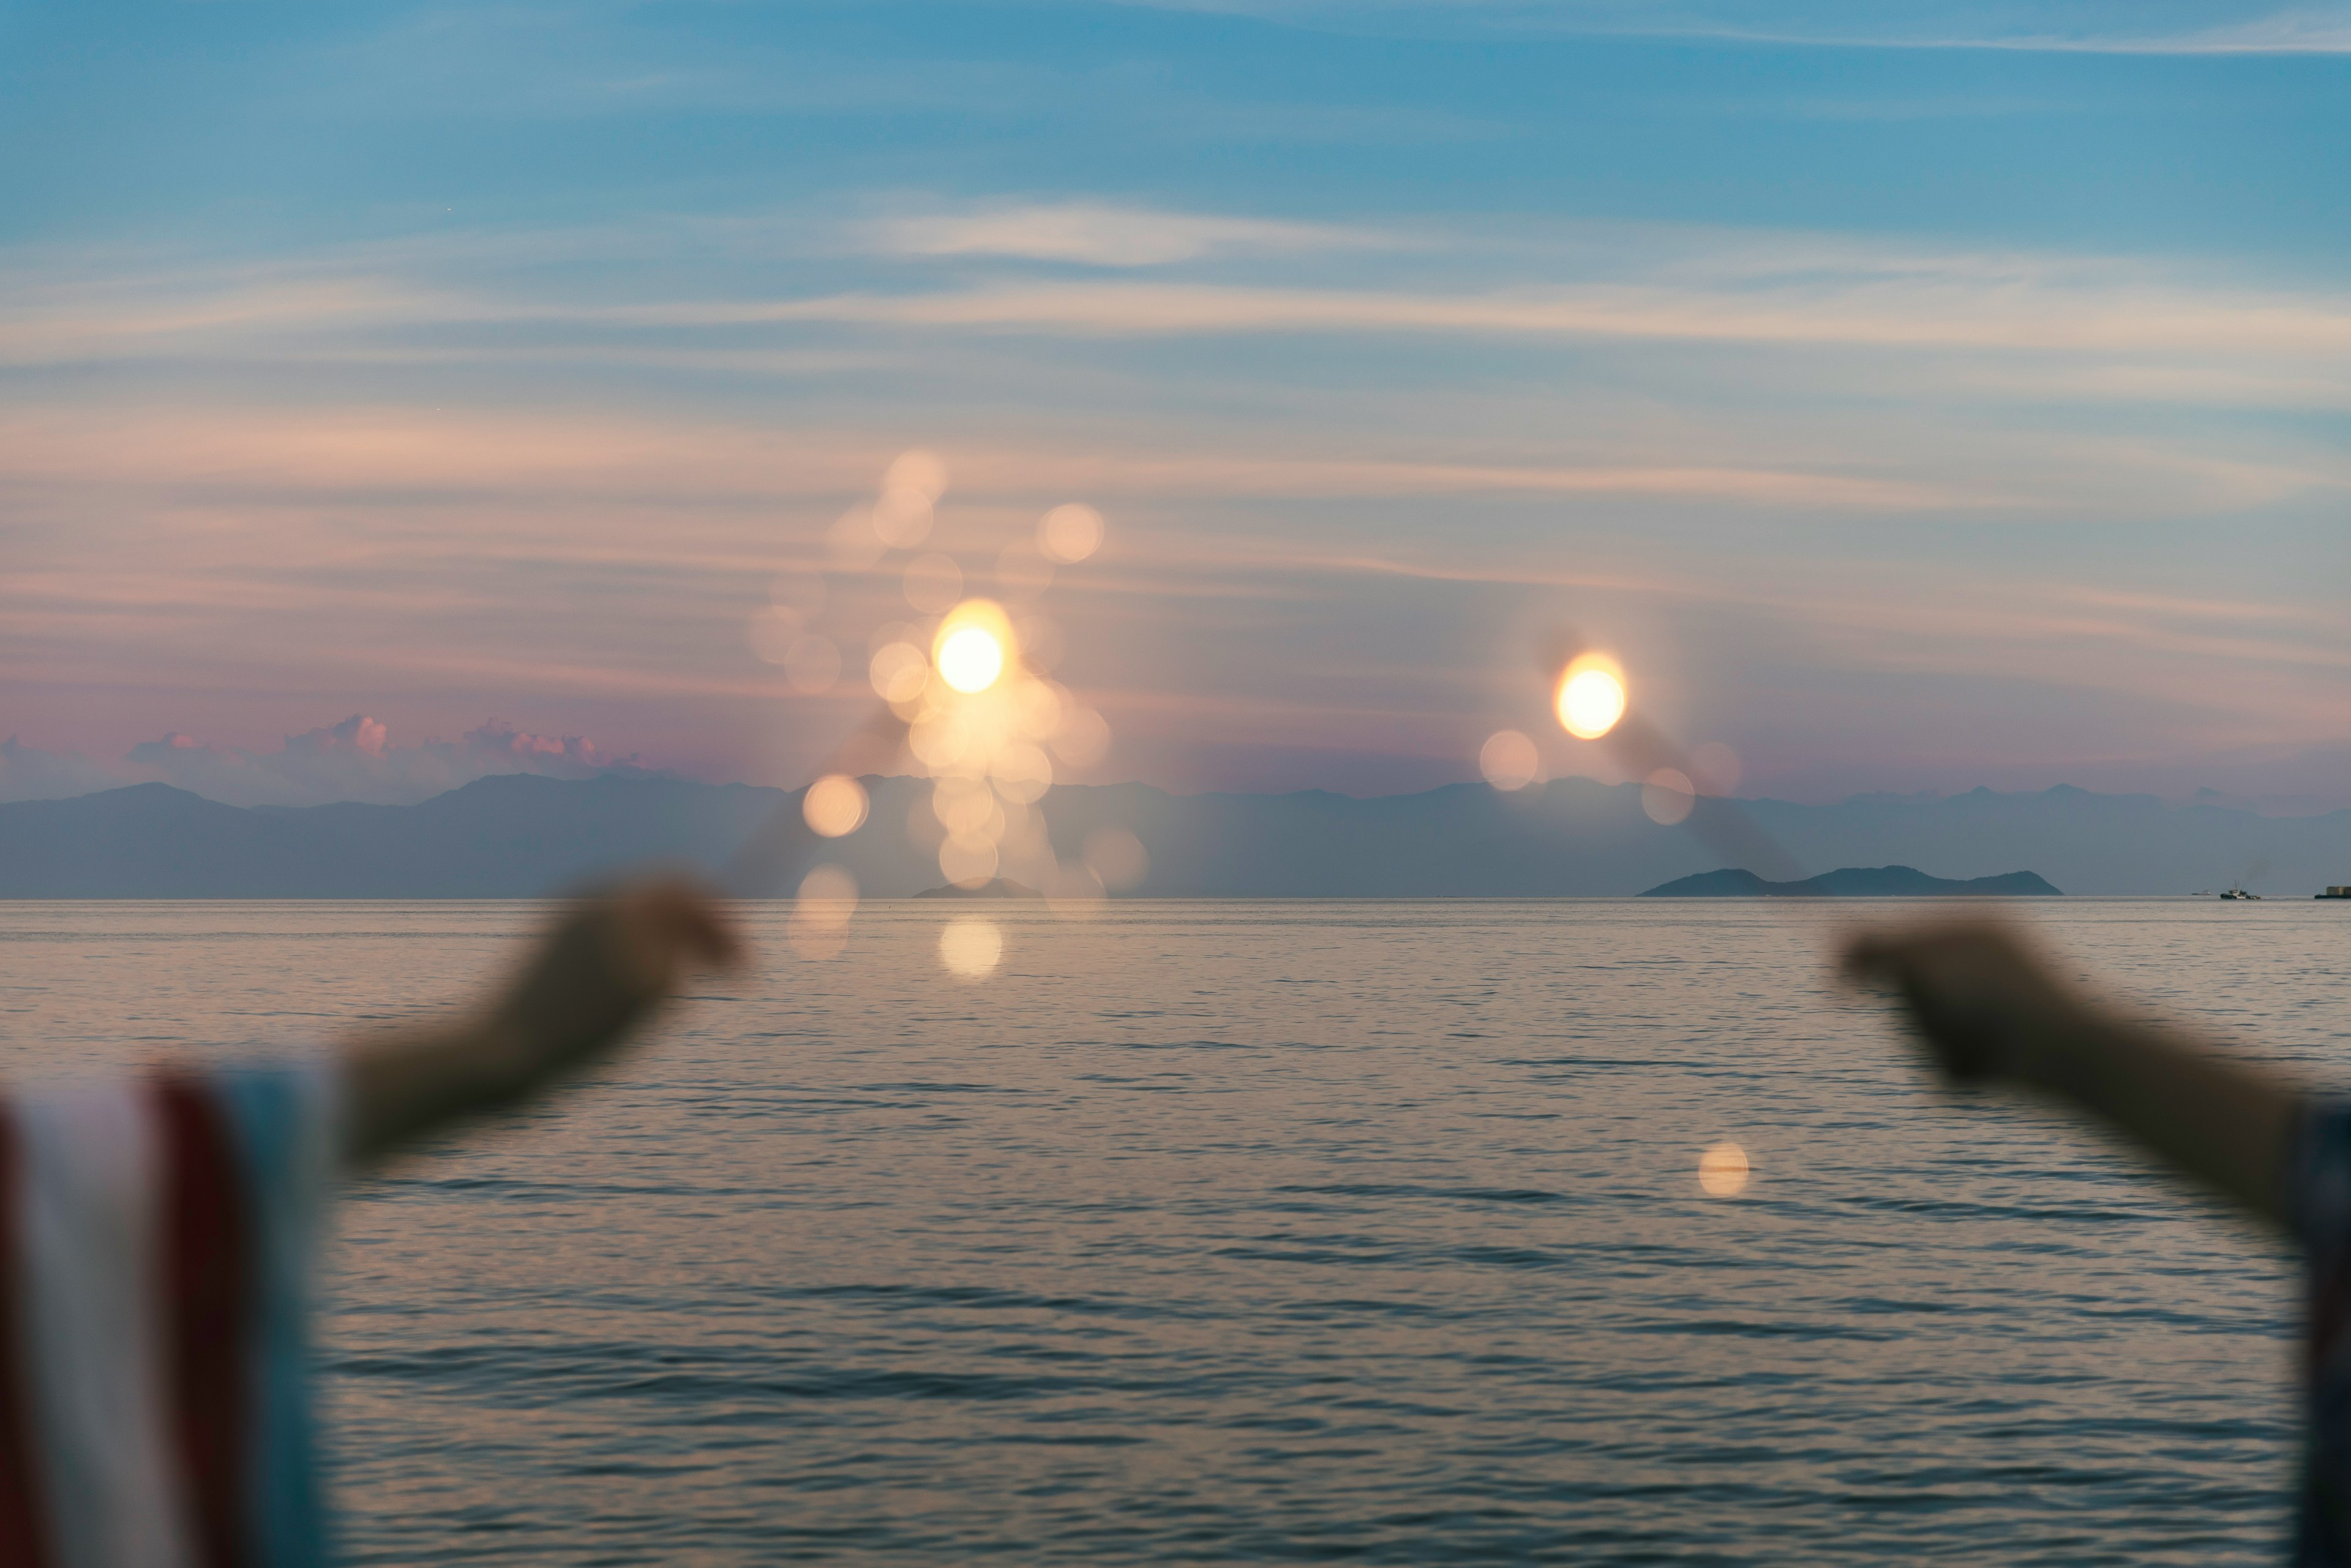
pixel 1281 1232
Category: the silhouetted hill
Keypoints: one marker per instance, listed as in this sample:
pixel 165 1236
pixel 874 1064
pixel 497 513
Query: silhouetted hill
pixel 509 836
pixel 519 836
pixel 1855 881
pixel 999 887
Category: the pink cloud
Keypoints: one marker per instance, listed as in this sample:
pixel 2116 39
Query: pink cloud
pixel 352 760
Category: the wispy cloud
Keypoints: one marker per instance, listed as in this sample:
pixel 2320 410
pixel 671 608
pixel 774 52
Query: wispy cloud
pixel 1341 463
pixel 1606 283
pixel 1097 234
pixel 2050 26
pixel 1872 316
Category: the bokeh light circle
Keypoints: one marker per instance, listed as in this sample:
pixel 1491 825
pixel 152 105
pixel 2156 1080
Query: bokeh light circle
pixel 899 672
pixel 932 584
pixel 772 630
pixel 970 949
pixel 834 806
pixel 1714 768
pixel 1722 1171
pixel 1083 738
pixel 1508 760
pixel 919 471
pixel 968 863
pixel 1669 796
pixel 819 927
pixel 902 517
pixel 812 666
pixel 1070 533
pixel 1117 857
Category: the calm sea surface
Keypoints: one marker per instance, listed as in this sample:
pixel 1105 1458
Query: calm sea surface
pixel 1206 1232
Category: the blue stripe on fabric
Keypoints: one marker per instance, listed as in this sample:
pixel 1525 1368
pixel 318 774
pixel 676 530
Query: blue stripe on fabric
pixel 280 1114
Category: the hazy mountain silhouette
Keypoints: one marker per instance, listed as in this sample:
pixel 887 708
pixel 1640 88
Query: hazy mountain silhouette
pixel 996 887
pixel 1855 881
pixel 519 836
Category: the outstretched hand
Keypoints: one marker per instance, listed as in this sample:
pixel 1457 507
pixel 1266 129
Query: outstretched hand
pixel 606 964
pixel 602 970
pixel 1978 997
pixel 1991 1011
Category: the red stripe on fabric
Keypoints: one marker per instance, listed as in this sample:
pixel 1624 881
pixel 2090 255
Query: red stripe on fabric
pixel 24 1521
pixel 207 1278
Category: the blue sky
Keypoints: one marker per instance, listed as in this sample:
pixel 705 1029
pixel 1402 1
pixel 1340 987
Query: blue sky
pixel 1917 397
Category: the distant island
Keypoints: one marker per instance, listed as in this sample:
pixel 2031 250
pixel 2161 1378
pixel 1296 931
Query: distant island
pixel 1855 881
pixel 999 887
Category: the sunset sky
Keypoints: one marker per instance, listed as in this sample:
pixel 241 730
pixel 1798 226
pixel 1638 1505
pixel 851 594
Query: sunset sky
pixel 1914 397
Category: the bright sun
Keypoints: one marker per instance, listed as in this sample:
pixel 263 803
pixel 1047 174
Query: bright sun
pixel 1591 697
pixel 970 658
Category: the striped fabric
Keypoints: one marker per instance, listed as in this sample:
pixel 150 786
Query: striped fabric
pixel 155 1241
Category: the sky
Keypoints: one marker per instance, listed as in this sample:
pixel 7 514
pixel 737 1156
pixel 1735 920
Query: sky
pixel 1913 397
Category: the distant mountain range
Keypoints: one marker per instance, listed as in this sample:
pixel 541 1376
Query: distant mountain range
pixel 521 836
pixel 1857 881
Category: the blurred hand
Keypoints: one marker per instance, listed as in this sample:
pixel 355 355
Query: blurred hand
pixel 600 972
pixel 1982 1001
pixel 607 963
pixel 1989 1010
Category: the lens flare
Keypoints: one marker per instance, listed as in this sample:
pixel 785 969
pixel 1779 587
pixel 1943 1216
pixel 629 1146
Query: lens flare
pixel 821 915
pixel 1083 738
pixel 772 630
pixel 1022 571
pixel 902 517
pixel 1041 644
pixel 899 672
pixel 967 808
pixel 1025 851
pixel 970 949
pixel 1591 697
pixel 812 664
pixel 1074 890
pixel 1037 708
pixel 932 584
pixel 968 863
pixel 1714 768
pixel 970 660
pixel 1022 772
pixel 852 541
pixel 834 806
pixel 919 471
pixel 1722 1171
pixel 1508 760
pixel 1669 796
pixel 1070 533
pixel 1117 857
pixel 801 592
pixel 973 646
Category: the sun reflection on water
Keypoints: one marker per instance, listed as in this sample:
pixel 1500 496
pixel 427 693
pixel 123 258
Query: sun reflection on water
pixel 970 949
pixel 1722 1171
pixel 819 927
